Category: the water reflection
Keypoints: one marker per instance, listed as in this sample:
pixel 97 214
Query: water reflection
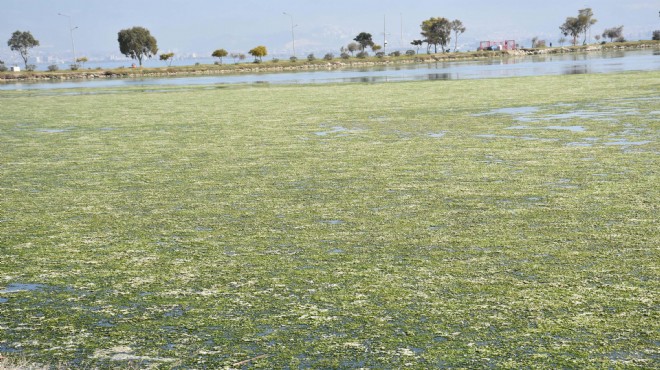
pixel 439 76
pixel 556 64
pixel 576 69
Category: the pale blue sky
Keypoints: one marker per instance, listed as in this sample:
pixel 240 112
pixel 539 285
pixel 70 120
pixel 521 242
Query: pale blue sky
pixel 200 26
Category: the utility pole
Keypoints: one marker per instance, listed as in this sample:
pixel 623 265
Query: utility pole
pixel 293 37
pixel 401 15
pixel 73 46
pixel 384 35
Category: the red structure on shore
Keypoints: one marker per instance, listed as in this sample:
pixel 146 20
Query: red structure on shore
pixel 497 45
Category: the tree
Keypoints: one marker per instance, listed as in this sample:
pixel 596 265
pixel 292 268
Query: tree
pixel 167 57
pixel 575 26
pixel 571 27
pixel 585 16
pixel 597 37
pixel 259 52
pixel 82 61
pixel 656 35
pixel 613 33
pixel 417 43
pixel 437 31
pixel 22 42
pixel 364 39
pixel 353 47
pixel 562 40
pixel 220 53
pixel 375 48
pixel 137 43
pixel 457 27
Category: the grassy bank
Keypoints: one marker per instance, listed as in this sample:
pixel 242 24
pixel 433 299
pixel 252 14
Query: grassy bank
pixel 504 223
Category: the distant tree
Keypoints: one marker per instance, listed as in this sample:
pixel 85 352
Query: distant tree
pixel 375 48
pixel 220 53
pixel 457 26
pixel 167 57
pixel 53 68
pixel 395 53
pixel 328 56
pixel 597 37
pixel 311 57
pixel 3 67
pixel 417 43
pixel 293 59
pixel 586 18
pixel 353 47
pixel 656 35
pixel 22 42
pixel 571 27
pixel 562 40
pixel 241 57
pixel 344 55
pixel 258 52
pixel 364 39
pixel 613 33
pixel 534 40
pixel 362 54
pixel 411 52
pixel 137 43
pixel 437 31
pixel 82 61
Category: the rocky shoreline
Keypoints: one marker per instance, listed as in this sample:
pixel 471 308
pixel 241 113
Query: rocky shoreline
pixel 10 77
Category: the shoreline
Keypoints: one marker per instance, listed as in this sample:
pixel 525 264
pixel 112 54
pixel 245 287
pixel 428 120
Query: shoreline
pixel 287 66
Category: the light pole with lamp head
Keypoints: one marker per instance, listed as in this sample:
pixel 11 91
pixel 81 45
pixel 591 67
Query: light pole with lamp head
pixel 73 46
pixel 293 37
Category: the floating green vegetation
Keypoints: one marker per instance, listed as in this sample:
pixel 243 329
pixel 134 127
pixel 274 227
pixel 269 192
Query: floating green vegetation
pixel 337 226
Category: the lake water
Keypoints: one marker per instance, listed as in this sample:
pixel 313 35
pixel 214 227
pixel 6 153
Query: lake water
pixel 558 64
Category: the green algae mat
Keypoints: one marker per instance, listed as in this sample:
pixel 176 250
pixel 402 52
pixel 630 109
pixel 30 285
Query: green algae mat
pixel 501 223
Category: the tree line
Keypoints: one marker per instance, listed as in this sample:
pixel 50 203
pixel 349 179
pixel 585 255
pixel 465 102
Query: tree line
pixel 137 42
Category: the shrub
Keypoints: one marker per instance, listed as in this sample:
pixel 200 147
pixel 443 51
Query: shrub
pixel 329 56
pixel 3 67
pixel 311 57
pixel 362 54
pixel 74 67
pixel 31 67
pixel 380 54
pixel 275 60
pixel 410 52
pixel 293 59
pixel 53 68
pixel 395 53
pixel 620 39
pixel 656 35
pixel 345 55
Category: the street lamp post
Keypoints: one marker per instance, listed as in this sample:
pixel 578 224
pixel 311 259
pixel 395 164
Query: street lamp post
pixel 293 37
pixel 73 46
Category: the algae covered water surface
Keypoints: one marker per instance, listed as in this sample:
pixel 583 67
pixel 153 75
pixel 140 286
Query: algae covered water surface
pixel 503 223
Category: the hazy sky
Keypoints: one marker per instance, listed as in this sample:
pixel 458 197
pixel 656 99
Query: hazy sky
pixel 201 26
